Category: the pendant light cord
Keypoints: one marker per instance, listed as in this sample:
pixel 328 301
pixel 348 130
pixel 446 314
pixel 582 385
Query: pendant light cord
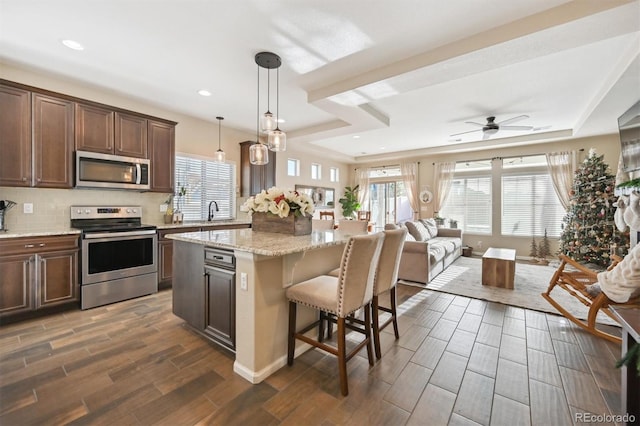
pixel 219 124
pixel 278 98
pixel 258 110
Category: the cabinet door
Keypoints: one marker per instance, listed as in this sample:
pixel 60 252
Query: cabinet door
pixel 94 129
pixel 220 311
pixel 161 145
pixel 52 141
pixel 165 260
pixel 15 291
pixel 15 137
pixel 131 135
pixel 188 283
pixel 58 278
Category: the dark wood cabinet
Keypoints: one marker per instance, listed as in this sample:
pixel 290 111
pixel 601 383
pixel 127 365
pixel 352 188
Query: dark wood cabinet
pixel 15 136
pixel 254 179
pixel 94 128
pixel 165 254
pixel 161 146
pixel 52 141
pixel 102 129
pixel 38 272
pixel 220 310
pixel 131 135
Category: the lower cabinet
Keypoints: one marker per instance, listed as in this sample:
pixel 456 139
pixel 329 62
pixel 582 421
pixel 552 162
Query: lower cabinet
pixel 204 291
pixel 37 273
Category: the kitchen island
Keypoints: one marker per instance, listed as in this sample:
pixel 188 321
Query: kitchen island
pixel 259 268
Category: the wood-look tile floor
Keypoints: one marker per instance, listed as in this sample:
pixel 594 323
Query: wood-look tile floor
pixel 459 361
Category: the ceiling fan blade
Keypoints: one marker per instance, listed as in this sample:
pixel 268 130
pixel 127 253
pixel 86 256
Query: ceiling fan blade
pixel 474 123
pixel 464 133
pixel 516 127
pixel 535 129
pixel 513 119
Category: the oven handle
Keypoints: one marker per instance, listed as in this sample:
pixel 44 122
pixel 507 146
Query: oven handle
pixel 93 236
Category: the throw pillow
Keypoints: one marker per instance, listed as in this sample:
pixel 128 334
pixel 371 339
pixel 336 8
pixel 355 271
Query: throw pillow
pixel 431 226
pixel 418 231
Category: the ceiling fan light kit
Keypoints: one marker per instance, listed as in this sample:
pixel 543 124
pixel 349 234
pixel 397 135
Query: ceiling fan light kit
pixel 490 128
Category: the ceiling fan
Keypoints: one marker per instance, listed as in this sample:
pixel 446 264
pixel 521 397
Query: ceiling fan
pixel 491 127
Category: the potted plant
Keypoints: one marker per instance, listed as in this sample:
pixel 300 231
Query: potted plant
pixel 349 202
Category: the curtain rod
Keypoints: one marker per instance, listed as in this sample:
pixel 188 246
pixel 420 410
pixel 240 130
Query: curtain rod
pixel 384 166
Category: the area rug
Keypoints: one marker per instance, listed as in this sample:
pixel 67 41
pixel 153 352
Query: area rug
pixel 464 278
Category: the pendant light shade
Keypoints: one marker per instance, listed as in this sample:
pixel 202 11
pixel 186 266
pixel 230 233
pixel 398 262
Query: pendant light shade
pixel 220 155
pixel 258 154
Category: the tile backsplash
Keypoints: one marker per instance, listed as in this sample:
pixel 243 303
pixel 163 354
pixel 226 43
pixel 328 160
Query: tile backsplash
pixel 51 206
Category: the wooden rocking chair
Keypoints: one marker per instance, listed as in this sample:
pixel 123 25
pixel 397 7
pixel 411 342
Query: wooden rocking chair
pixel 575 279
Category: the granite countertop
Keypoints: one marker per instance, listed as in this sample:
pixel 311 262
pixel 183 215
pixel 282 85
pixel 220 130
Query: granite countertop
pixel 203 223
pixel 48 233
pixel 263 243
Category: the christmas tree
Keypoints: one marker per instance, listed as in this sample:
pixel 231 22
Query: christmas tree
pixel 588 232
pixel 533 252
pixel 544 248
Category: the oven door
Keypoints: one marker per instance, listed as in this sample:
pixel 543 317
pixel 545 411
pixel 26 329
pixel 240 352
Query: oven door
pixel 109 256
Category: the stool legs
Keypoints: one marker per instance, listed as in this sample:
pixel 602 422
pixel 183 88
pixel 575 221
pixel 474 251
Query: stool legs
pixel 377 328
pixel 291 341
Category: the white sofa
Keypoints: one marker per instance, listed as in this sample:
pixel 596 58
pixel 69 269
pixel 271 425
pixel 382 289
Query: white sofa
pixel 428 251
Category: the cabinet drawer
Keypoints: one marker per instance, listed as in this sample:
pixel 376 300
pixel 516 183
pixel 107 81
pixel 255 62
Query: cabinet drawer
pixel 25 245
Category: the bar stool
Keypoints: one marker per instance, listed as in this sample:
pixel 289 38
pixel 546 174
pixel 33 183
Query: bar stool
pixel 352 289
pixel 385 281
pixel 353 226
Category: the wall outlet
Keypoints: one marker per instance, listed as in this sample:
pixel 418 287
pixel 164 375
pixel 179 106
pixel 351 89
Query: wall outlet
pixel 243 281
pixel 163 208
pixel 27 208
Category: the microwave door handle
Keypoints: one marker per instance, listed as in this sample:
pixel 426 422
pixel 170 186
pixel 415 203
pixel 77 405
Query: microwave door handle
pixel 138 173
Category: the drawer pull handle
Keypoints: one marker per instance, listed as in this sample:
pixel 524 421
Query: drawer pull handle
pixel 42 244
pixel 218 257
pixel 29 246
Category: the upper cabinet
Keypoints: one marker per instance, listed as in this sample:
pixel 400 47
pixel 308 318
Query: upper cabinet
pixel 15 136
pixel 162 155
pixel 52 142
pixel 101 129
pixel 39 131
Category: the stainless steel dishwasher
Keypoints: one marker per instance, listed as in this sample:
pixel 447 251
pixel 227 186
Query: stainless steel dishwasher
pixel 220 296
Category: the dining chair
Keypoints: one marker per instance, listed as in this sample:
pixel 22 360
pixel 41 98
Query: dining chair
pixel 353 226
pixel 364 215
pixel 339 296
pixel 328 214
pixel 321 225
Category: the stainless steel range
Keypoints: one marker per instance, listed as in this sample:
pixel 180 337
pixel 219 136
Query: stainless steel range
pixel 119 254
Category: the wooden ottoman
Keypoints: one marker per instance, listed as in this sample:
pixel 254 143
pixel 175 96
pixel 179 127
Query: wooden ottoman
pixel 499 267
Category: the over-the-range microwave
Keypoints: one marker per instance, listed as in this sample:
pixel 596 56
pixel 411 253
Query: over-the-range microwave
pixel 95 170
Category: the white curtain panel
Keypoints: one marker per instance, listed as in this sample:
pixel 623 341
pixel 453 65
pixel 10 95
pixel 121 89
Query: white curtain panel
pixel 409 172
pixel 362 179
pixel 442 179
pixel 562 166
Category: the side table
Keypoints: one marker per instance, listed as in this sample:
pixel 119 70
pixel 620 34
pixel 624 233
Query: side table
pixel 630 320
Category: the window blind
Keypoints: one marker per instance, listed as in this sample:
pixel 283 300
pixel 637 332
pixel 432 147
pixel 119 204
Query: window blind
pixel 205 181
pixel 530 205
pixel 469 202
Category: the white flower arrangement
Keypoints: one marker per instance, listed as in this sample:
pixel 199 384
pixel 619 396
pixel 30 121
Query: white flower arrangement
pixel 279 202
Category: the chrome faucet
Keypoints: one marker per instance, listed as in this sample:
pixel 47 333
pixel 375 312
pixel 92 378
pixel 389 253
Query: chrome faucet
pixel 210 213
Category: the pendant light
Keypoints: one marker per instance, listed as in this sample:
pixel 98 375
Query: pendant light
pixel 277 138
pixel 219 156
pixel 258 153
pixel 267 122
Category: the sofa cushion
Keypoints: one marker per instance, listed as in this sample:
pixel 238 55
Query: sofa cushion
pixel 436 253
pixel 418 230
pixel 455 243
pixel 431 226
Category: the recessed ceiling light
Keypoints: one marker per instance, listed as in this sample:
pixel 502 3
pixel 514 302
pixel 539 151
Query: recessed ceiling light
pixel 204 92
pixel 382 148
pixel 281 120
pixel 72 44
pixel 356 136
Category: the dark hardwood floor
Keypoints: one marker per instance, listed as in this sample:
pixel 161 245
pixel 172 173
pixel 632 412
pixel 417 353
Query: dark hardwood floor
pixel 459 361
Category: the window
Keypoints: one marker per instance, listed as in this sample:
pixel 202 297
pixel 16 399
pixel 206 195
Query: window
pixel 530 205
pixel 316 171
pixel 205 181
pixel 293 167
pixel 469 202
pixel 334 174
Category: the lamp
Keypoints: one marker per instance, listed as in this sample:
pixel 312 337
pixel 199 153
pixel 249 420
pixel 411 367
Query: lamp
pixel 258 153
pixel 219 156
pixel 277 138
